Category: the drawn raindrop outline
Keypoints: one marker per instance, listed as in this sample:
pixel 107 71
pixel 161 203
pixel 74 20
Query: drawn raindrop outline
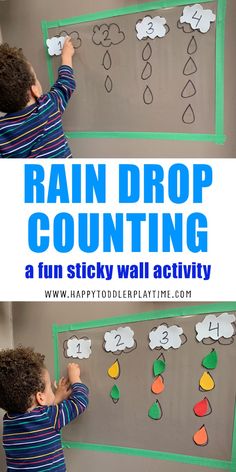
pixel 106 60
pixel 147 66
pixel 192 40
pixel 147 91
pixel 146 48
pixel 108 84
pixel 185 88
pixel 189 107
pixel 190 64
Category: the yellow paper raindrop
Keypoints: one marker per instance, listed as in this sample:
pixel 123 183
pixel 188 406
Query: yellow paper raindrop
pixel 206 382
pixel 114 370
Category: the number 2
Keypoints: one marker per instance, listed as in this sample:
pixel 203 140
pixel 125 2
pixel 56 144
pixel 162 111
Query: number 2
pixel 118 342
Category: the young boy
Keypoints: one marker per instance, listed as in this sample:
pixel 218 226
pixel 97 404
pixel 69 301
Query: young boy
pixel 32 126
pixel 35 416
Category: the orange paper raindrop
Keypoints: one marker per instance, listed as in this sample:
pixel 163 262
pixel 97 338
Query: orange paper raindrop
pixel 158 385
pixel 206 382
pixel 114 370
pixel 201 437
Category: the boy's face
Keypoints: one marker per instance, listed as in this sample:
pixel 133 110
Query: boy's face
pixel 47 397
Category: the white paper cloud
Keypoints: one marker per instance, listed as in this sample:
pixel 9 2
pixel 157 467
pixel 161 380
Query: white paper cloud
pixel 77 348
pixel 55 45
pixel 119 339
pixel 165 337
pixel 197 17
pixel 215 327
pixel 150 27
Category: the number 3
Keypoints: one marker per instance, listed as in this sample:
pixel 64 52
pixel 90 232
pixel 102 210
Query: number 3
pixel 150 29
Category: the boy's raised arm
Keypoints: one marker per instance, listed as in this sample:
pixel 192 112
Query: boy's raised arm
pixel 63 88
pixel 63 413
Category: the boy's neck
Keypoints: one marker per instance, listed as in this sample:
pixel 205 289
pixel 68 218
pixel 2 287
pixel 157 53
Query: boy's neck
pixel 32 101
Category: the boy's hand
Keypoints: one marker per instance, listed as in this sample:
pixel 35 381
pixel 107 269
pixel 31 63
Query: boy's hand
pixel 63 390
pixel 73 373
pixel 67 52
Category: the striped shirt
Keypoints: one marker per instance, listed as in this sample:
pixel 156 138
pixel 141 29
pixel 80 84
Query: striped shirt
pixel 32 440
pixel 36 131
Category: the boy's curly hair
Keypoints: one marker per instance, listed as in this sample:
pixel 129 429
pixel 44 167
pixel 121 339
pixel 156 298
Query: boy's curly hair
pixel 16 78
pixel 20 378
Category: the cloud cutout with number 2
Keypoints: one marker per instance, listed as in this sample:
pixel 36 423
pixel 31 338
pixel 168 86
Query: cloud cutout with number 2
pixel 119 340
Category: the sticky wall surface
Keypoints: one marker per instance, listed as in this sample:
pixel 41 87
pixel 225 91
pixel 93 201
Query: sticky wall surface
pixel 21 24
pixel 33 326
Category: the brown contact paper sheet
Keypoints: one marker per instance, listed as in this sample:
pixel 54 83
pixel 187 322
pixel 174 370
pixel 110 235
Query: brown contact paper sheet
pixel 149 85
pixel 190 389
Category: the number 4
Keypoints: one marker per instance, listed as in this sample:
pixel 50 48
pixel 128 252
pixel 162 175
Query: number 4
pixel 215 328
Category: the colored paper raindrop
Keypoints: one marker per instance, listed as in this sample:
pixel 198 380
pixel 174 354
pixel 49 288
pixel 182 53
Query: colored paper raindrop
pixel 158 385
pixel 155 412
pixel 147 52
pixel 201 437
pixel 108 84
pixel 189 90
pixel 114 370
pixel 159 366
pixel 106 62
pixel 188 116
pixel 190 67
pixel 192 46
pixel 147 71
pixel 202 408
pixel 211 360
pixel 206 382
pixel 115 394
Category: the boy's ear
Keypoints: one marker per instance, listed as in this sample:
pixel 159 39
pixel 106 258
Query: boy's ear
pixel 35 91
pixel 40 398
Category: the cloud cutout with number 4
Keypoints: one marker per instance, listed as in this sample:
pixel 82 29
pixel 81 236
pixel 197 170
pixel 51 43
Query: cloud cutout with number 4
pixel 216 327
pixel 198 18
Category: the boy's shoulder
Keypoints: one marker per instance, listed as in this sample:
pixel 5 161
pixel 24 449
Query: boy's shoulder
pixel 36 412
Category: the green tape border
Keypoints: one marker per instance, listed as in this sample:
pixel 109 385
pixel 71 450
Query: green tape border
pixel 151 315
pixel 218 137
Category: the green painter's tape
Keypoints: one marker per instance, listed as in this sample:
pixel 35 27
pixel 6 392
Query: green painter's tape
pixel 150 315
pixel 220 139
pixel 172 313
pixel 220 46
pixel 202 461
pixel 233 457
pixel 218 136
pixel 48 58
pixel 56 352
pixel 132 9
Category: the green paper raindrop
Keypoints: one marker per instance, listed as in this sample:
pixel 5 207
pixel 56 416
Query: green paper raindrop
pixel 115 394
pixel 154 411
pixel 159 366
pixel 211 360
